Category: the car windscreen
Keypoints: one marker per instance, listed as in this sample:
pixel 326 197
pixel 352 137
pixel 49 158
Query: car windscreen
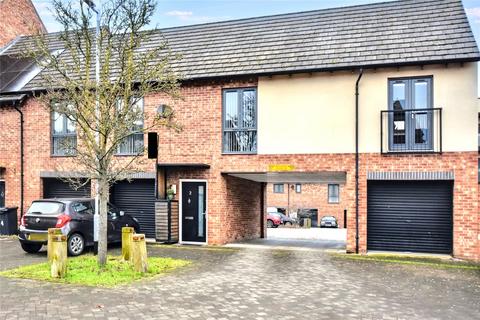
pixel 329 218
pixel 46 207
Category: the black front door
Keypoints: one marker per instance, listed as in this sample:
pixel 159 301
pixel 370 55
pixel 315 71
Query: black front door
pixel 2 194
pixel 194 203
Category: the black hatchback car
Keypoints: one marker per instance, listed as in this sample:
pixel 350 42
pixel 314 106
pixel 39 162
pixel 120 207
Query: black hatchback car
pixel 75 218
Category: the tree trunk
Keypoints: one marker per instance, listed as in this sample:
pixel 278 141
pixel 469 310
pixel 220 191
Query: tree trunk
pixel 103 222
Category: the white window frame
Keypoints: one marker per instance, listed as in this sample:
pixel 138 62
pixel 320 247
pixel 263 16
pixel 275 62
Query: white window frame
pixel 298 187
pixel 330 196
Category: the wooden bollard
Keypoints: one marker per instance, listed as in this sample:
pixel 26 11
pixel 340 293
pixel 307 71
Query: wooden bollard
pixel 127 233
pixel 139 253
pixel 58 267
pixel 51 232
pixel 307 223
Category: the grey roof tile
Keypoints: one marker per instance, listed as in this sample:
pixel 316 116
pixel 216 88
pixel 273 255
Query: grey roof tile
pixel 397 32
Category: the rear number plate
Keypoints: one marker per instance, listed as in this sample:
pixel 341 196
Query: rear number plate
pixel 37 237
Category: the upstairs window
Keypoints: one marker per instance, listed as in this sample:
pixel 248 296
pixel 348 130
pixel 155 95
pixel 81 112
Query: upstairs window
pixel 133 144
pixel 411 114
pixel 64 135
pixel 278 188
pixel 333 193
pixel 240 120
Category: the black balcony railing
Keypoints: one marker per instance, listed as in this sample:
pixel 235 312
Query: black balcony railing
pixel 411 131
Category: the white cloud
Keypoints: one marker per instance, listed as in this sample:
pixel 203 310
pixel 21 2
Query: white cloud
pixel 182 15
pixel 190 17
pixel 474 13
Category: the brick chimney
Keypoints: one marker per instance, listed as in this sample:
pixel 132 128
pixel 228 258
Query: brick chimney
pixel 18 17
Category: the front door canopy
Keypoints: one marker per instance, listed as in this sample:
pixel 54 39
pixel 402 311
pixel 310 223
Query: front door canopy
pixel 292 177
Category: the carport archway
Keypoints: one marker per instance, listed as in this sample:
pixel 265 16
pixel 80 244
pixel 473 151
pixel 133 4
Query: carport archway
pixel 306 238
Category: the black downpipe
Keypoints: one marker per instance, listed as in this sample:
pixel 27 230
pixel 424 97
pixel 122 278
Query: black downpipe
pixel 262 210
pixel 21 160
pixel 356 160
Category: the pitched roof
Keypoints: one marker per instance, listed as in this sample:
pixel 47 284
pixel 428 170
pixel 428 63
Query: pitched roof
pixel 396 33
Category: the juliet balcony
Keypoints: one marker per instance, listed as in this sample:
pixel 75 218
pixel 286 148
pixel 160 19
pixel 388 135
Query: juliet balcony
pixel 411 131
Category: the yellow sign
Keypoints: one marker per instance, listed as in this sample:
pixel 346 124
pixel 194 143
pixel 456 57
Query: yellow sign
pixel 281 167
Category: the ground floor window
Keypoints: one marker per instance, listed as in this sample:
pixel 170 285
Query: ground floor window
pixel 333 193
pixel 298 188
pixel 278 188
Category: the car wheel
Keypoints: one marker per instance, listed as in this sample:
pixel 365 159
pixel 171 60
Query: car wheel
pixel 288 223
pixel 31 247
pixel 76 244
pixel 275 225
pixel 269 224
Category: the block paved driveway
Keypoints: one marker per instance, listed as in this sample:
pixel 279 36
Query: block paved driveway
pixel 268 283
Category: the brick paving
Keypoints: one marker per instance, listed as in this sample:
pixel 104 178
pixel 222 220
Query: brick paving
pixel 233 283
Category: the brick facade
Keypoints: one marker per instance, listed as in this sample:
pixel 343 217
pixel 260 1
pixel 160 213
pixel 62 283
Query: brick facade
pixel 18 17
pixel 466 207
pixel 234 205
pixel 312 196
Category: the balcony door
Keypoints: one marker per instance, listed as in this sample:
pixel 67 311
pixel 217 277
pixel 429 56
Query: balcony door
pixel 411 122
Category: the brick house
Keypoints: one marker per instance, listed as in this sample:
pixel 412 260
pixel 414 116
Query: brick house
pixel 408 180
pixel 324 198
pixel 18 17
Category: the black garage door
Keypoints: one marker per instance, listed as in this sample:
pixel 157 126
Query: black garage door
pixel 410 216
pixel 137 198
pixel 56 188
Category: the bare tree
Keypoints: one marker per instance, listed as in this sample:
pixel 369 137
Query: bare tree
pixel 106 116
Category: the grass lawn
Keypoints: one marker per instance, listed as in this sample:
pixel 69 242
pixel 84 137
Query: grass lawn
pixel 411 260
pixel 84 270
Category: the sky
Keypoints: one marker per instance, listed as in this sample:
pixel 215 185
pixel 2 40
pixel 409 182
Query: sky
pixel 172 13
